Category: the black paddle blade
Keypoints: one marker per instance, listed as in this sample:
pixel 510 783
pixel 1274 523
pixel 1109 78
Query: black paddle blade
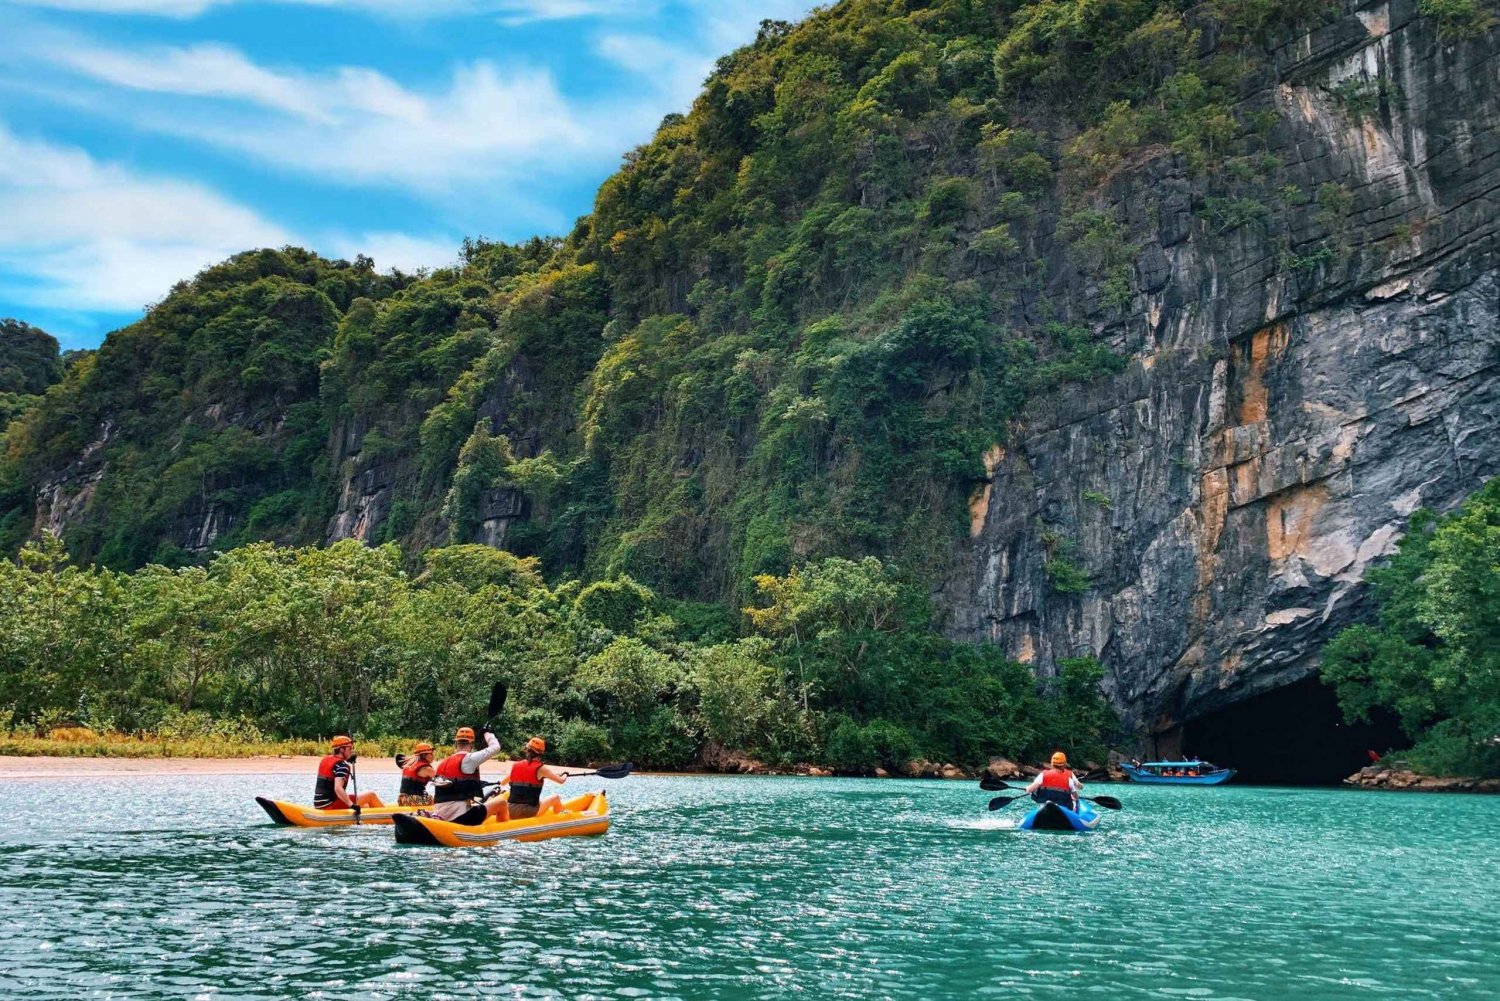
pixel 400 761
pixel 1000 801
pixel 991 784
pixel 497 700
pixel 1108 802
pixel 616 771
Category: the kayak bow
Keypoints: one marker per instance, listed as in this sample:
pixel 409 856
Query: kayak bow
pixel 297 815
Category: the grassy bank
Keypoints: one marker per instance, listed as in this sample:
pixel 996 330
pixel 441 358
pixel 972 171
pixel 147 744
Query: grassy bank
pixel 80 742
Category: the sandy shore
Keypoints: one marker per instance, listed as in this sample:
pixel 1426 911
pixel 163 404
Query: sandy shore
pixel 13 768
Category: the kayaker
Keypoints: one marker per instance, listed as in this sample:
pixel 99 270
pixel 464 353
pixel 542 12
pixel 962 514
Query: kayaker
pixel 526 778
pixel 334 773
pixel 1057 784
pixel 458 791
pixel 415 774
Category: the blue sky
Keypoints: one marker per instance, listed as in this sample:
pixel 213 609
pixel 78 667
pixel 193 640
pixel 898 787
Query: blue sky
pixel 141 140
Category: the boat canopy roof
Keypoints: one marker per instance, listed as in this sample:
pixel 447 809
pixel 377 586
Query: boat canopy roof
pixel 1193 763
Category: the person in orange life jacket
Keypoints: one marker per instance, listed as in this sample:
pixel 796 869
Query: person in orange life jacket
pixel 458 791
pixel 526 778
pixel 334 772
pixel 415 775
pixel 1056 784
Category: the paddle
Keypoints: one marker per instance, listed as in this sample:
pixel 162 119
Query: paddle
pixel 615 771
pixel 1108 802
pixel 496 705
pixel 354 781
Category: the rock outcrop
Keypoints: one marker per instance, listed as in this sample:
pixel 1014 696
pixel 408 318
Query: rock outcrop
pixel 1297 386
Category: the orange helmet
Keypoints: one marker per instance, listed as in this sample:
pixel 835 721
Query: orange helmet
pixel 537 744
pixel 1059 759
pixel 422 748
pixel 464 733
pixel 341 741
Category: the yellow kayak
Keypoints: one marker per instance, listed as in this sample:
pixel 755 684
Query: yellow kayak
pixel 580 816
pixel 297 815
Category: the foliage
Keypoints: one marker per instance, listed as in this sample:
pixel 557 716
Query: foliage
pixel 1432 655
pixel 267 644
pixel 29 359
pixel 1459 19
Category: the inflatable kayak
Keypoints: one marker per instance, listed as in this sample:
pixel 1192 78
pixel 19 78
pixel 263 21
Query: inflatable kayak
pixel 582 815
pixel 1052 817
pixel 297 815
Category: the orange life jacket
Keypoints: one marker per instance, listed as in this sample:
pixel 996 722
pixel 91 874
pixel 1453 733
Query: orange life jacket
pixel 1057 778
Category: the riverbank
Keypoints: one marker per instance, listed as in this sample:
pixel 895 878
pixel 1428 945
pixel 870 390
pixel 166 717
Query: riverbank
pixel 14 767
pixel 79 742
pixel 1398 777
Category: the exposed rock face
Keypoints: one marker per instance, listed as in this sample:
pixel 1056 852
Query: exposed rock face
pixel 1297 388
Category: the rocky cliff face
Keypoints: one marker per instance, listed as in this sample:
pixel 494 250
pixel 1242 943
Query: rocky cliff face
pixel 1298 386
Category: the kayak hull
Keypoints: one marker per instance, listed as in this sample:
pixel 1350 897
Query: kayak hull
pixel 297 815
pixel 582 816
pixel 1052 817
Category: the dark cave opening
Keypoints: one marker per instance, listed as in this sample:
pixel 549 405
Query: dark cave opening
pixel 1290 736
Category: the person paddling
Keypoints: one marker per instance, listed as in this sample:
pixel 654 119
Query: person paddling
pixel 415 774
pixel 526 778
pixel 1057 784
pixel 334 773
pixel 458 790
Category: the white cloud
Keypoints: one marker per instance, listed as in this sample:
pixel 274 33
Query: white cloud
pixel 200 70
pixel 353 124
pixel 512 12
pixel 86 235
pixel 160 8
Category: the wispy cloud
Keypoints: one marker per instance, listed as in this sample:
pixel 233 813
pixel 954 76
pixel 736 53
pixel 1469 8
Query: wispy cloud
pixel 88 235
pixel 509 11
pixel 80 234
pixel 354 124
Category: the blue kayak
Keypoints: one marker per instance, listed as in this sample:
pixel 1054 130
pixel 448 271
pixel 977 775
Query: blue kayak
pixel 1052 817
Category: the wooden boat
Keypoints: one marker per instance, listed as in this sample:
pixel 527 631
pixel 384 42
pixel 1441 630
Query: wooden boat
pixel 1178 773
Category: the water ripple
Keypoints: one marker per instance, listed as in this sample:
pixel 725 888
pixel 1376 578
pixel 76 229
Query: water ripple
pixel 755 888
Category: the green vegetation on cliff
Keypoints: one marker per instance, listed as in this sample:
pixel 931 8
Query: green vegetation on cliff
pixel 793 324
pixel 838 665
pixel 1432 655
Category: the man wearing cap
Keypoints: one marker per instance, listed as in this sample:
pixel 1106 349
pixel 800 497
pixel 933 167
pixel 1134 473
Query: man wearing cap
pixel 415 774
pixel 334 773
pixel 1057 784
pixel 457 784
pixel 526 778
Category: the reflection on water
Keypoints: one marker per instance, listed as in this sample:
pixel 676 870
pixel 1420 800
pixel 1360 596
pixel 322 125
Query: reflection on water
pixel 737 888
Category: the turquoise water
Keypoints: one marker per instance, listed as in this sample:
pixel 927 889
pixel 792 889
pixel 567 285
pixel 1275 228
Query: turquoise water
pixel 754 888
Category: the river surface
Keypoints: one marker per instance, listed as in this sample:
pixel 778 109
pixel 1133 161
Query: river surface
pixel 168 887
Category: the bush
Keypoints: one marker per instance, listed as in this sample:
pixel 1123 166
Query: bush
pixel 581 743
pixel 877 744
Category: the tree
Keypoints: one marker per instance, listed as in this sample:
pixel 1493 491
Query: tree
pixel 1432 655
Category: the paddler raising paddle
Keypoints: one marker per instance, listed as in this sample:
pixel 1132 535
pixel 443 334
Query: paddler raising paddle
pixel 1057 784
pixel 334 772
pixel 457 782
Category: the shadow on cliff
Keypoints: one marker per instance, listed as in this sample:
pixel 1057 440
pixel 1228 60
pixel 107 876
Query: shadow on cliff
pixel 1291 736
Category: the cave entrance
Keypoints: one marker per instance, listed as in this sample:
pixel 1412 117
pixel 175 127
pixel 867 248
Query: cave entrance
pixel 1294 735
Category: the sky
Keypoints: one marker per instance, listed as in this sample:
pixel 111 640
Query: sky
pixel 142 140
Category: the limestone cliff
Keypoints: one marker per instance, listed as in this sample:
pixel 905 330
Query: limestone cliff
pixel 1298 385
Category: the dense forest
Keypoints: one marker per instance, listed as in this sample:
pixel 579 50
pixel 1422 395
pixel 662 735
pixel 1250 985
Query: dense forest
pixel 777 351
pixel 838 667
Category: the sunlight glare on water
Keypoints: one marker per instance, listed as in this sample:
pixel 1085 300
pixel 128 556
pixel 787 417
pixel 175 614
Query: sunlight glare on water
pixel 710 887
